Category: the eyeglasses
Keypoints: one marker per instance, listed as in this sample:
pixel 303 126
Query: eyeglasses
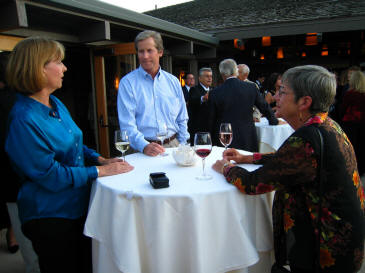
pixel 281 92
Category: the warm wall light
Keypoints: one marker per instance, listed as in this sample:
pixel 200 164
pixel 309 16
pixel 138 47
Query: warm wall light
pixel 304 54
pixel 280 53
pixel 311 39
pixel 324 50
pixel 262 56
pixel 116 83
pixel 181 78
pixel 238 43
pixel 266 41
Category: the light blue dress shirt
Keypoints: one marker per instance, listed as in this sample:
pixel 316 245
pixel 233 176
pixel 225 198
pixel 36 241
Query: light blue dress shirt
pixel 143 102
pixel 46 149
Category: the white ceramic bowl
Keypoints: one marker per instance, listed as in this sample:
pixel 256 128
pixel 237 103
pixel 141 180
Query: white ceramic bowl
pixel 184 156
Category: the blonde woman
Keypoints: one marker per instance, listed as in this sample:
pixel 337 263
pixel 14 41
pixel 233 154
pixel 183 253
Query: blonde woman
pixel 46 149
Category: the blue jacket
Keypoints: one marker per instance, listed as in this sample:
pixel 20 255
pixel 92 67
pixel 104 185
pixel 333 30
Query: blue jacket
pixel 46 150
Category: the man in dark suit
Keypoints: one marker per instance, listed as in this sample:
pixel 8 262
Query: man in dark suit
pixel 233 102
pixel 189 82
pixel 198 107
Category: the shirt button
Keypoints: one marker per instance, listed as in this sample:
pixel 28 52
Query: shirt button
pixel 59 120
pixel 70 131
pixel 79 157
pixel 77 144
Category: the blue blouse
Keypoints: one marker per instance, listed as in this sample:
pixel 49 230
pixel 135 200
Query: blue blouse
pixel 46 149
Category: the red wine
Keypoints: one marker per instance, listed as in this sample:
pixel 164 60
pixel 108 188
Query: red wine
pixel 225 138
pixel 203 152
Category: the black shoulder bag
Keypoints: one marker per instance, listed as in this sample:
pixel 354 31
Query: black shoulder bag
pixel 281 269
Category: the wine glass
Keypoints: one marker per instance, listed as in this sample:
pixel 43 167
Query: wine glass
pixel 203 147
pixel 162 133
pixel 225 134
pixel 121 140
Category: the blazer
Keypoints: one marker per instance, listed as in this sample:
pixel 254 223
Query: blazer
pixel 186 93
pixel 292 172
pixel 233 102
pixel 198 111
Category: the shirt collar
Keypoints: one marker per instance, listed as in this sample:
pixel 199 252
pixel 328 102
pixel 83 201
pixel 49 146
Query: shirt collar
pixel 40 107
pixel 205 88
pixel 145 74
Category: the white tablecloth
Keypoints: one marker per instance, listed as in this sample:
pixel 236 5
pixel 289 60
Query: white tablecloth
pixel 271 137
pixel 192 226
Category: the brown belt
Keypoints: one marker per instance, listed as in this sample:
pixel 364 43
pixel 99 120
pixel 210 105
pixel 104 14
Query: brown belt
pixel 166 141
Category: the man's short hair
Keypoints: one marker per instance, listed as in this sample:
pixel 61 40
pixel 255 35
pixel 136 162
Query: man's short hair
pixel 186 75
pixel 228 67
pixel 204 69
pixel 244 68
pixel 156 36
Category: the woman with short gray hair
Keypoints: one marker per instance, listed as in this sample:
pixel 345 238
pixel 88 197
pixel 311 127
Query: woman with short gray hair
pixel 319 205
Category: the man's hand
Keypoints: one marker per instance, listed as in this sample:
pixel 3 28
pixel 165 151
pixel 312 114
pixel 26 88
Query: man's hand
pixel 153 149
pixel 206 96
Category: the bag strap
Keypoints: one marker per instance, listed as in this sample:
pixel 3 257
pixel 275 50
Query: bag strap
pixel 320 191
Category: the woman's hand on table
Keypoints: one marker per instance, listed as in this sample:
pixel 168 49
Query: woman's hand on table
pixel 233 154
pixel 106 161
pixel 114 168
pixel 219 165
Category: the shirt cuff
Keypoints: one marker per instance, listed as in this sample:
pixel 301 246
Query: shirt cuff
pixel 257 157
pixel 92 173
pixel 227 169
pixel 141 145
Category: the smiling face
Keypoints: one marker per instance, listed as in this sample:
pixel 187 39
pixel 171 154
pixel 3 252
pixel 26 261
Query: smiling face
pixel 149 56
pixel 53 72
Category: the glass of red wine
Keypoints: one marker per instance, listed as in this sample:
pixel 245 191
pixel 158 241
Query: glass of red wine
pixel 225 134
pixel 203 147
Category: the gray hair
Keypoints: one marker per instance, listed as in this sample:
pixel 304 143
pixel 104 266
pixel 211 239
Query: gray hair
pixel 228 67
pixel 243 68
pixel 313 81
pixel 204 69
pixel 156 36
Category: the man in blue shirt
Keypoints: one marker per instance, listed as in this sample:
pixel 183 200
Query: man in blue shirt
pixel 149 97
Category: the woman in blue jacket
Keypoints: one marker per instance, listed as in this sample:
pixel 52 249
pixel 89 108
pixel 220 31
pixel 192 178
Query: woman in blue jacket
pixel 46 149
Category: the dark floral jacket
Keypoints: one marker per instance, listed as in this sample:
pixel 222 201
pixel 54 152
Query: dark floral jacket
pixel 292 173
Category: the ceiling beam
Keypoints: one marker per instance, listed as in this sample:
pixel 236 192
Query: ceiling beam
pixel 183 48
pixel 292 28
pixel 12 15
pixel 98 31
